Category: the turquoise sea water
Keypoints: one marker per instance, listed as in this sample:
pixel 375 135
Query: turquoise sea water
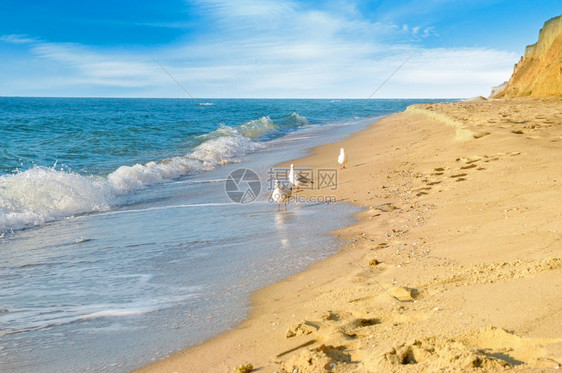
pixel 119 244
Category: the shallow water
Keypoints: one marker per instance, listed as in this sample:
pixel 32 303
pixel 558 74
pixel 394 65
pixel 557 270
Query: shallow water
pixel 163 265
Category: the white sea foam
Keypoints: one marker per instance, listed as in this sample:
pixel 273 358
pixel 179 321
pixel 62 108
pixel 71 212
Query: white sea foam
pixel 42 318
pixel 116 312
pixel 36 318
pixel 40 194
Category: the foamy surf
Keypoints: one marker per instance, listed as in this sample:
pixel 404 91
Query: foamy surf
pixel 41 195
pixel 32 319
pixel 181 206
pixel 115 288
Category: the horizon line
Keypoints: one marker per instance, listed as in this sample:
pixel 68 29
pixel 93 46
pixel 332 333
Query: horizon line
pixel 253 98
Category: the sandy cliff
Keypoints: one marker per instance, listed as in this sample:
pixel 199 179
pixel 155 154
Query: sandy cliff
pixel 539 72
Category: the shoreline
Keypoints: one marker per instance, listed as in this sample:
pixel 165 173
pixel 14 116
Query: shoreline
pixel 464 266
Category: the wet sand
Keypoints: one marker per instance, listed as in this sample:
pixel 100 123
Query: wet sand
pixel 454 265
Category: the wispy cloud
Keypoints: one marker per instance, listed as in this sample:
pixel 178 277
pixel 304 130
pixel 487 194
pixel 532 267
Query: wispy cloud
pixel 17 39
pixel 107 69
pixel 270 48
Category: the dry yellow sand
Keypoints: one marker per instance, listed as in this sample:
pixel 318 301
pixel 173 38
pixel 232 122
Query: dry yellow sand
pixel 462 226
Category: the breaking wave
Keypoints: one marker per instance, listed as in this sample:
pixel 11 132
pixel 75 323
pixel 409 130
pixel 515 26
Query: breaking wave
pixel 40 194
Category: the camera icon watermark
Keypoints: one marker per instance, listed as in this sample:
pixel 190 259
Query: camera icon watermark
pixel 242 185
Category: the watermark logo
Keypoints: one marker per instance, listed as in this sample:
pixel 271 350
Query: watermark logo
pixel 242 185
pixel 313 179
pixel 327 178
pixel 317 180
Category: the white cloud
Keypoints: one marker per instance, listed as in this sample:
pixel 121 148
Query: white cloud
pixel 273 49
pixel 429 31
pixel 17 39
pixel 248 8
pixel 106 69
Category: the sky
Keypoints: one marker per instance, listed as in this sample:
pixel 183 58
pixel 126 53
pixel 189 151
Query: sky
pixel 264 48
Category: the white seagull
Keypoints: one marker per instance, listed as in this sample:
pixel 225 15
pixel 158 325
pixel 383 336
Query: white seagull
pixel 281 195
pixel 342 159
pixel 298 179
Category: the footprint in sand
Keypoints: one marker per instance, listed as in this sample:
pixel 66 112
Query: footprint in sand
pixel 361 323
pixel 318 359
pixel 469 163
pixel 457 175
pixel 481 134
pixel 330 316
pixel 471 159
pixel 438 171
pixel 302 328
pixel 421 191
pixel 387 207
pixel 437 354
pixel 354 328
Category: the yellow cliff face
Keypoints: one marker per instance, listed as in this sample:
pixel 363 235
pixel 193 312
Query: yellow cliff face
pixel 539 72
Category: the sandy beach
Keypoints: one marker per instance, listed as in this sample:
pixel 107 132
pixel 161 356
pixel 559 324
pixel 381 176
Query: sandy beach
pixel 455 264
pixel 155 215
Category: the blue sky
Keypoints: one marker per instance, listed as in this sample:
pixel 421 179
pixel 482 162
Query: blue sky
pixel 267 48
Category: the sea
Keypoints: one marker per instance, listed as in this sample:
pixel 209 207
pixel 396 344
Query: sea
pixel 134 228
